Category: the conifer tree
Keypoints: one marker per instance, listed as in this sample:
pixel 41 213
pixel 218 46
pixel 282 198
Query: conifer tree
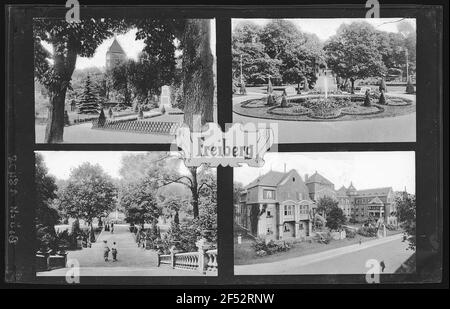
pixel 88 103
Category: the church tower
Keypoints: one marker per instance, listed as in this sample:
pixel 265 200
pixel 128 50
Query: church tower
pixel 115 55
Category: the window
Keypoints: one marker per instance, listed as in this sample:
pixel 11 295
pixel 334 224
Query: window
pixel 293 179
pixel 269 215
pixel 288 210
pixel 269 194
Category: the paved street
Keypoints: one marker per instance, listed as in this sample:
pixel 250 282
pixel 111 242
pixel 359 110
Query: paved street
pixel 389 129
pixel 344 260
pixel 131 260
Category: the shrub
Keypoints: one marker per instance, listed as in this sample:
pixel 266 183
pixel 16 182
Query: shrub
pixel 270 247
pixel 368 231
pixel 350 233
pixel 323 237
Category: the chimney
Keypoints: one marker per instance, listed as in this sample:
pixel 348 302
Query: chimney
pixel 306 177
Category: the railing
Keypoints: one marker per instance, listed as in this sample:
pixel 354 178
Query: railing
pixel 188 260
pixel 164 259
pixel 212 260
pixel 203 260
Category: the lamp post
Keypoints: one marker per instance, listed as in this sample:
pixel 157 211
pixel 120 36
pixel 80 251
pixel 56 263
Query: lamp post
pixel 407 67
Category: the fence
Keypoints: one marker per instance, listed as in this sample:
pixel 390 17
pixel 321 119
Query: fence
pixel 46 261
pixel 138 126
pixel 202 261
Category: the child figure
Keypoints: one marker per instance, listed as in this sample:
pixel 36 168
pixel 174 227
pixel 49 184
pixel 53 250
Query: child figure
pixel 114 252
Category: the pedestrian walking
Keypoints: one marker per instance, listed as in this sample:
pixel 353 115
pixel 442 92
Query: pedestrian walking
pixel 383 266
pixel 114 251
pixel 112 227
pixel 105 250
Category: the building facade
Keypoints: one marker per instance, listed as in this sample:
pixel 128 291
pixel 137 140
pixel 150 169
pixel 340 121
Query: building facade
pixel 282 205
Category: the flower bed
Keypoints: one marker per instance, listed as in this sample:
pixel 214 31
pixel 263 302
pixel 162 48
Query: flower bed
pixel 362 110
pixel 398 101
pixel 289 110
pixel 256 103
pixel 325 113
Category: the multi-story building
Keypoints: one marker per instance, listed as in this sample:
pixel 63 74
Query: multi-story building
pixel 281 205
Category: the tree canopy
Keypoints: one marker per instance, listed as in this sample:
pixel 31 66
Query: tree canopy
pixel 89 193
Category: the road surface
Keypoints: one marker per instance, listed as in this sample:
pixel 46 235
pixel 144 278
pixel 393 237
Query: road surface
pixel 346 260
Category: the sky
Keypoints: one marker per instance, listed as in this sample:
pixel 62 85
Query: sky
pixel 324 28
pixel 131 47
pixel 60 163
pixel 365 169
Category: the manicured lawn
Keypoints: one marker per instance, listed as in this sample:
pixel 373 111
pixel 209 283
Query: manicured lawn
pixel 244 253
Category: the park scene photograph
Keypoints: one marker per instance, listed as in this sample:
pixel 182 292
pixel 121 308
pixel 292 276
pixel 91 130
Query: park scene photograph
pixel 106 80
pixel 119 213
pixel 328 80
pixel 326 213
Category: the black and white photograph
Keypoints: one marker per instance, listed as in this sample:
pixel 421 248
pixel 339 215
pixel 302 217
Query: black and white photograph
pixel 326 213
pixel 328 80
pixel 238 150
pixel 122 80
pixel 113 213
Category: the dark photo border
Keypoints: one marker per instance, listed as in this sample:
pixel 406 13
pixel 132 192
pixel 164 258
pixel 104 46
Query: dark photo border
pixel 20 142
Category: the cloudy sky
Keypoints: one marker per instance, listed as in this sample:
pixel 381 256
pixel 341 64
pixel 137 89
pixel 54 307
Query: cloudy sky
pixel 131 47
pixel 60 163
pixel 324 28
pixel 365 169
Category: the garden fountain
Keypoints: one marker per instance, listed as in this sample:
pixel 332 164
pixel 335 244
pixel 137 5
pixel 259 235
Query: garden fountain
pixel 325 102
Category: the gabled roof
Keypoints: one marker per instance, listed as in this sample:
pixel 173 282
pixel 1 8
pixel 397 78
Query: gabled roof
pixel 116 48
pixel 374 192
pixel 342 191
pixel 271 179
pixel 316 177
pixel 351 187
pixel 376 201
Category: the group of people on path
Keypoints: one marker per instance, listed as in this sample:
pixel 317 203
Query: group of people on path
pixel 106 251
pixel 109 227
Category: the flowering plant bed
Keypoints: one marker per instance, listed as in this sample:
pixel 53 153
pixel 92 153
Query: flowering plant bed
pixel 362 110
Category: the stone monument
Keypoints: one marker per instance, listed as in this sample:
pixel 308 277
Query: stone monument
pixel 164 100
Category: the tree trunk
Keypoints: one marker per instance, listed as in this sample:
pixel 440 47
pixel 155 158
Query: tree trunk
pixel 64 66
pixel 198 82
pixel 194 191
pixel 353 85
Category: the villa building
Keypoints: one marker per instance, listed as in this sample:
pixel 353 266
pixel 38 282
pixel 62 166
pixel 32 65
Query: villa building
pixel 281 205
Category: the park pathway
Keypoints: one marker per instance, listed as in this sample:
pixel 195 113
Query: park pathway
pixel 131 260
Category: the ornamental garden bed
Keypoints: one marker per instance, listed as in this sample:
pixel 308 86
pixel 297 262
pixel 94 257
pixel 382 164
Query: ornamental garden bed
pixel 335 108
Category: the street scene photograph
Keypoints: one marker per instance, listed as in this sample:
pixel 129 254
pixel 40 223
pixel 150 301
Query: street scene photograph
pixel 122 80
pixel 119 213
pixel 328 80
pixel 326 213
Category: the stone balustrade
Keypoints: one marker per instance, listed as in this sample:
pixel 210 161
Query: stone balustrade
pixel 203 260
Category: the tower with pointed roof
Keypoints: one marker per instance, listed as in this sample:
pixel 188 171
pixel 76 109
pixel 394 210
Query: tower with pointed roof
pixel 115 55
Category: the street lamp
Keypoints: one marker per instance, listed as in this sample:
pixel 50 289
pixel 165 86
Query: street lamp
pixel 407 67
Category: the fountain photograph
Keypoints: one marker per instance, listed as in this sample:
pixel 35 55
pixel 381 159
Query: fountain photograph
pixel 327 80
